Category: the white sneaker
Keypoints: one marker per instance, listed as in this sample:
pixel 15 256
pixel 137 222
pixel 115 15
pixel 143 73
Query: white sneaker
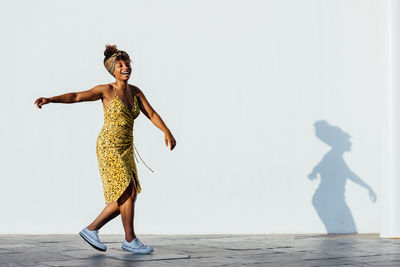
pixel 92 238
pixel 136 246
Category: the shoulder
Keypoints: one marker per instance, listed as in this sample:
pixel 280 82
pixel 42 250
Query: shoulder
pixel 107 88
pixel 104 89
pixel 135 90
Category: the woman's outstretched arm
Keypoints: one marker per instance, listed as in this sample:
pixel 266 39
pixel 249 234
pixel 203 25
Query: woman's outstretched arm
pixel 153 116
pixel 316 170
pixel 354 177
pixel 90 95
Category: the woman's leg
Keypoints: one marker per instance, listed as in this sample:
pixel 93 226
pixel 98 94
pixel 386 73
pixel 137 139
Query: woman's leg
pixel 127 208
pixel 109 212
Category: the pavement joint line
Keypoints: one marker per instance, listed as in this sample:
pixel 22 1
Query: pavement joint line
pixel 140 260
pixel 243 249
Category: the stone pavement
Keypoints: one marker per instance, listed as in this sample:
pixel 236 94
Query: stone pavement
pixel 203 250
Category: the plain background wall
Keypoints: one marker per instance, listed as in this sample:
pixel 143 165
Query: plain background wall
pixel 239 83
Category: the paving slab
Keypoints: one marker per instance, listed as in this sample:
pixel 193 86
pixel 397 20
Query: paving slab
pixel 203 250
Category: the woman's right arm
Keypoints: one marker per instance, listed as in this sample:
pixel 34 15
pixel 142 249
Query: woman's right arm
pixel 93 94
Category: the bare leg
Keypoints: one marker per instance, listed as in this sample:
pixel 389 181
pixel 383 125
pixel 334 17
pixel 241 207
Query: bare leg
pixel 109 212
pixel 127 208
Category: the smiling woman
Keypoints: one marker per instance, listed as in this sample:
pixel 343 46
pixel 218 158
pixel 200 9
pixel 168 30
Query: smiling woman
pixel 122 104
pixel 112 56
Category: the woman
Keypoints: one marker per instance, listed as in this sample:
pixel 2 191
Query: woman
pixel 329 199
pixel 122 104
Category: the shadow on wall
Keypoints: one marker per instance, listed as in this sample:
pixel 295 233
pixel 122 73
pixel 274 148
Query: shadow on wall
pixel 329 198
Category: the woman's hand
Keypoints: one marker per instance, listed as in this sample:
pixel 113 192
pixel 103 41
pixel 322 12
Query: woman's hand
pixel 169 138
pixel 41 101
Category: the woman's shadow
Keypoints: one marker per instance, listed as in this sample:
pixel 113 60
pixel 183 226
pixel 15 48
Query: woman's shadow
pixel 329 198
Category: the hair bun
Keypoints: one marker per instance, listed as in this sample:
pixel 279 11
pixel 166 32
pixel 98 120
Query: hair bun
pixel 110 49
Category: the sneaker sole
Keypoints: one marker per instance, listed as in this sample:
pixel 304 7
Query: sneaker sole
pixel 135 251
pixel 88 239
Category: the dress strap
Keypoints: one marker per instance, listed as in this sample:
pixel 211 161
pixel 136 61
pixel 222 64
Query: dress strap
pixel 115 90
pixel 140 158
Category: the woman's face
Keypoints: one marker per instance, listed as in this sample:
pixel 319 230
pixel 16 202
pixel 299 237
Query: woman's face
pixel 122 70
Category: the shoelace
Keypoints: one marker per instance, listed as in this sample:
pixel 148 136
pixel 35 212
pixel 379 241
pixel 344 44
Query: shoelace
pixel 140 243
pixel 96 232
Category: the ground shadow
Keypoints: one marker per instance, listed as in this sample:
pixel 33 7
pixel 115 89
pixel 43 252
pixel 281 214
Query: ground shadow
pixel 329 198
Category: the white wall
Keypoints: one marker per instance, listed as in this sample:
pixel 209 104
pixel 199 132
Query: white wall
pixel 239 83
pixel 390 182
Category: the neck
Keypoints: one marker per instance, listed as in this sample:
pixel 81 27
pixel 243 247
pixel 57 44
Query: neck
pixel 121 84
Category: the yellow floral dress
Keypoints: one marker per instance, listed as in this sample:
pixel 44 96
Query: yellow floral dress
pixel 114 148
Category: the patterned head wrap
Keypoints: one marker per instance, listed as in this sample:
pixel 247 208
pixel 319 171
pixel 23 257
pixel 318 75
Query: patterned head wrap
pixel 110 63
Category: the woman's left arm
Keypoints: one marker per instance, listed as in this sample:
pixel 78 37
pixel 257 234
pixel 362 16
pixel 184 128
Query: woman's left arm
pixel 153 116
